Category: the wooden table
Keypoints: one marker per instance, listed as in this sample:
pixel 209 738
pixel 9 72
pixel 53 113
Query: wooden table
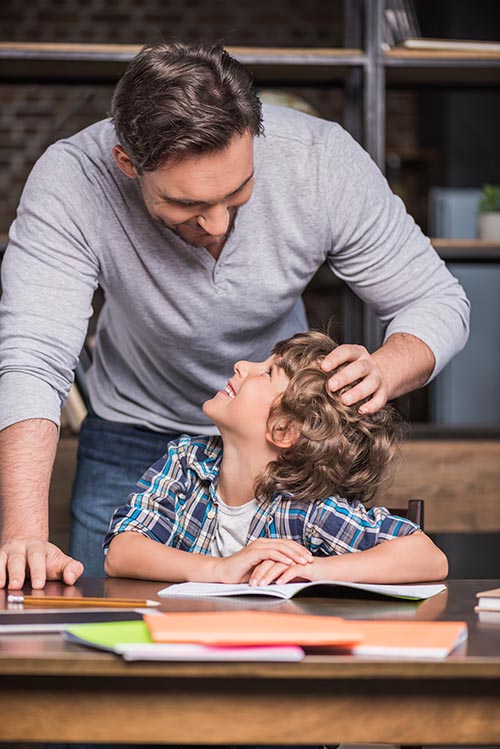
pixel 53 691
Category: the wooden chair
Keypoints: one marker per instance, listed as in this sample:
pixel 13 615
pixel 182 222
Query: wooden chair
pixel 414 511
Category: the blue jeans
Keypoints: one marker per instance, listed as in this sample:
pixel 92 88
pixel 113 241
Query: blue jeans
pixel 111 459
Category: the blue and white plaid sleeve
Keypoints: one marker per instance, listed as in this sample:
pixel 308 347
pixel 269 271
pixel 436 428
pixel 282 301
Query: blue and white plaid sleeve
pixel 150 509
pixel 338 527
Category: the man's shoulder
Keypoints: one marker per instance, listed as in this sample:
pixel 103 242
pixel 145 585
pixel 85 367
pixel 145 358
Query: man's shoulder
pixel 285 123
pixel 94 141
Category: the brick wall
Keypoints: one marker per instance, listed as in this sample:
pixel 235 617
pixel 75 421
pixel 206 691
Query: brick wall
pixel 33 116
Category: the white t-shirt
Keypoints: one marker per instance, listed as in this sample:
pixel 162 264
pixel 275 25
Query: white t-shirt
pixel 233 524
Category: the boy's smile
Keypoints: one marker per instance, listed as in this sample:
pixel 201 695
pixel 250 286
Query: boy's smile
pixel 242 407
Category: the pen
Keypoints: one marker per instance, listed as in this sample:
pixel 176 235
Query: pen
pixel 63 601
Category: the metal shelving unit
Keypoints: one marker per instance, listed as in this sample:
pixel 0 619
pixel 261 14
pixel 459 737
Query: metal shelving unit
pixel 362 67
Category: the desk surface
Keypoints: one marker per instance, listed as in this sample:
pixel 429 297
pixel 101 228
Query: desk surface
pixel 396 701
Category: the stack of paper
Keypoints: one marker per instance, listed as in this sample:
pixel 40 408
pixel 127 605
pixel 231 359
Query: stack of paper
pixel 133 641
pixel 415 639
pixel 267 636
pixel 488 606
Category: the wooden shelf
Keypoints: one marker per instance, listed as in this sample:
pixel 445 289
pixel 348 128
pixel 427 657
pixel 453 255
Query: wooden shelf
pixel 438 56
pixel 105 62
pixel 442 68
pixel 467 250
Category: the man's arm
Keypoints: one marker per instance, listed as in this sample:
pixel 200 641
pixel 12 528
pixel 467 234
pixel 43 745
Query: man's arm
pixel 27 452
pixel 384 257
pixel 404 363
pixel 49 274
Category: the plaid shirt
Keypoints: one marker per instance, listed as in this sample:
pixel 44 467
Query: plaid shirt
pixel 176 504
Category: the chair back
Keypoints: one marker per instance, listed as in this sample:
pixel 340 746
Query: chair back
pixel 414 511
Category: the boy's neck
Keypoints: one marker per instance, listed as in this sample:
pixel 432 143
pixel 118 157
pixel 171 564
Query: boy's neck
pixel 241 464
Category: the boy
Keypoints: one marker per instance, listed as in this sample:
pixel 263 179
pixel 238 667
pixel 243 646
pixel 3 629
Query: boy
pixel 279 495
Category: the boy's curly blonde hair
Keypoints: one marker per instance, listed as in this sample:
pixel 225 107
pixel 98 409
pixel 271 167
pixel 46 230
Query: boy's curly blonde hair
pixel 338 451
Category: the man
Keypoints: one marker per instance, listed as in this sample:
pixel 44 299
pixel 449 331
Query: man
pixel 203 228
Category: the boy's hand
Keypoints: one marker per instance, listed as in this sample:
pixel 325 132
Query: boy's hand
pixel 275 572
pixel 239 566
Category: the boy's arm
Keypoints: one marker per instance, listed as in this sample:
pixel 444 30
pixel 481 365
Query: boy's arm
pixel 131 554
pixel 409 559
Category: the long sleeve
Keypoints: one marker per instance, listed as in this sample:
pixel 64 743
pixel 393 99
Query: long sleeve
pixel 49 275
pixel 337 526
pixel 381 253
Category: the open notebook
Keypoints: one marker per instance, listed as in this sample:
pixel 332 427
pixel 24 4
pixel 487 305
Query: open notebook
pixel 328 588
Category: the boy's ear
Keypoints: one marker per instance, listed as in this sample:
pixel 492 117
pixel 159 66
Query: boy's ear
pixel 282 433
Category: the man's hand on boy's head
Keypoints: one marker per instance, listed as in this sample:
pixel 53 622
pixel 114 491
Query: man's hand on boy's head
pixel 360 367
pixel 238 567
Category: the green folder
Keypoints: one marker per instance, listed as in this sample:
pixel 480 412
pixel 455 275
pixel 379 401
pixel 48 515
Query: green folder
pixel 108 635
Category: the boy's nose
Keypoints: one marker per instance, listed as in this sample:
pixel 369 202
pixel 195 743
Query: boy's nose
pixel 241 368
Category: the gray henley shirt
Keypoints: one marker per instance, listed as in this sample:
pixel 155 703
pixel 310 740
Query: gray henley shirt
pixel 175 320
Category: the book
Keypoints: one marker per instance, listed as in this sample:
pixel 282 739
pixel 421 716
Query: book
pixel 399 22
pixel 335 588
pixel 56 620
pixel 252 628
pixel 485 616
pixel 409 639
pixel 488 600
pixel 132 640
pixel 450 45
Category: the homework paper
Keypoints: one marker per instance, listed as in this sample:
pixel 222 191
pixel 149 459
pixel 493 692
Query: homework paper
pixel 324 588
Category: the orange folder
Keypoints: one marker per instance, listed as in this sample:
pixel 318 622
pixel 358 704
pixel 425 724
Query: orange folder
pixel 420 639
pixel 252 628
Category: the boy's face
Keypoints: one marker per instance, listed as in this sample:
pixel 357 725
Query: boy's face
pixel 242 408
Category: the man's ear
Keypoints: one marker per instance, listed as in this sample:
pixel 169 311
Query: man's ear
pixel 282 433
pixel 123 162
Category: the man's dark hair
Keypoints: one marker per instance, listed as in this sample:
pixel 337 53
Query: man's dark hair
pixel 179 99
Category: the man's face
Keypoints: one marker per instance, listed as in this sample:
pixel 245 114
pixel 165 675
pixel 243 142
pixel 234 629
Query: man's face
pixel 198 197
pixel 242 408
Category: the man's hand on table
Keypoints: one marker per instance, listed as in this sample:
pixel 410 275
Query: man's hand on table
pixel 41 559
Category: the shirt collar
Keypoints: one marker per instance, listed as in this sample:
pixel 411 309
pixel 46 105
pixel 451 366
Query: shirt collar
pixel 205 457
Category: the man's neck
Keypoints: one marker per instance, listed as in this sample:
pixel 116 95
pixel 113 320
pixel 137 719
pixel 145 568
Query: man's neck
pixel 241 465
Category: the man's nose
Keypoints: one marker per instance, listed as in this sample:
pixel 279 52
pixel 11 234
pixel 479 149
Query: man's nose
pixel 215 221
